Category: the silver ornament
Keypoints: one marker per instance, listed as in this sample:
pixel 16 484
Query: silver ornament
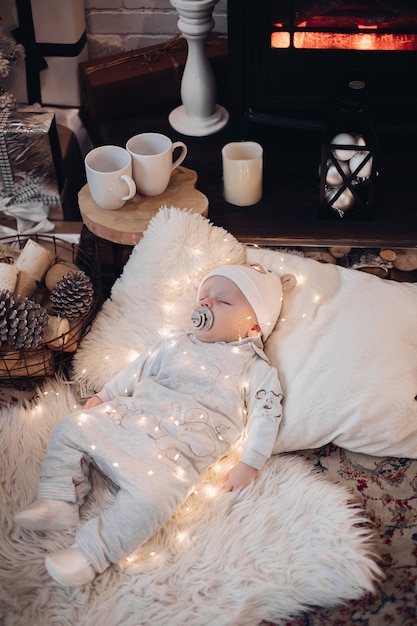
pixel 355 162
pixel 334 177
pixel 343 202
pixel 343 139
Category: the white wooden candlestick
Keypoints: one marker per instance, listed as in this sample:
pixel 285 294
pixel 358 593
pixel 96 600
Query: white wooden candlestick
pixel 199 114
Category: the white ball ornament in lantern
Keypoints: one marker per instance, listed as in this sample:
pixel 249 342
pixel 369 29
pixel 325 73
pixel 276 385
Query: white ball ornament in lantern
pixel 363 162
pixel 342 201
pixel 348 142
pixel 336 173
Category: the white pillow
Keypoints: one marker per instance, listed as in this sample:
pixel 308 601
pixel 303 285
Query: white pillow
pixel 346 350
pixel 345 345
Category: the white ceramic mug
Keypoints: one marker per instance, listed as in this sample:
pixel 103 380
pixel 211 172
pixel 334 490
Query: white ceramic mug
pixel 152 160
pixel 109 176
pixel 242 172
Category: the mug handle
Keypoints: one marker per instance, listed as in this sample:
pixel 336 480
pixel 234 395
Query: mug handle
pixel 132 187
pixel 179 144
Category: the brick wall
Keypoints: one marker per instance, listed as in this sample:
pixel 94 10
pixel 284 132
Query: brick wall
pixel 122 25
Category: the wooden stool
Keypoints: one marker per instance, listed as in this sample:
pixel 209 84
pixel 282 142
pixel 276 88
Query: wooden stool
pixel 126 225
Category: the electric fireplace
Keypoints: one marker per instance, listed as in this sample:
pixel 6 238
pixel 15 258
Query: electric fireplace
pixel 291 60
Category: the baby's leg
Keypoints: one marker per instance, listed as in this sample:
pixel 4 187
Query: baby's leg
pixel 63 482
pixel 65 468
pixel 148 496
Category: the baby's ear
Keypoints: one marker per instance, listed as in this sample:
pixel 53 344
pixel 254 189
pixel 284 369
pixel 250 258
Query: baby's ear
pixel 288 281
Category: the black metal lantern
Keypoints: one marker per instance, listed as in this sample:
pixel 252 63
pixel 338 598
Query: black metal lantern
pixel 347 169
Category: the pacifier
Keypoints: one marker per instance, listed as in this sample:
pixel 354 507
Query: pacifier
pixel 202 319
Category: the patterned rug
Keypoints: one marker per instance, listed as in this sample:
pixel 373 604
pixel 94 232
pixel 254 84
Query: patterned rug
pixel 387 488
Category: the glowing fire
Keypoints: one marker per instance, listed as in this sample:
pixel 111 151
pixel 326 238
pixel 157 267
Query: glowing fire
pixel 344 41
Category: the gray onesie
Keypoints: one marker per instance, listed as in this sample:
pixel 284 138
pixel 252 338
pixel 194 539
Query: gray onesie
pixel 168 415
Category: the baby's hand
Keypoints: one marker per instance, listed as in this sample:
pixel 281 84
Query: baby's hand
pixel 241 475
pixel 93 401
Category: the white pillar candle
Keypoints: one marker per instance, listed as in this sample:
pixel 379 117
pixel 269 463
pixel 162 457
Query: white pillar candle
pixel 242 172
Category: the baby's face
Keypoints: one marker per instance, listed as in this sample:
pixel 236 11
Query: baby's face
pixel 233 316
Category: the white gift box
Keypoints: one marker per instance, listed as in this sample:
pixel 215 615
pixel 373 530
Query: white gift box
pixel 52 31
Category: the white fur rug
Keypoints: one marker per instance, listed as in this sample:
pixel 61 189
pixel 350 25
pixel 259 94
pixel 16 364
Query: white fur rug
pixel 289 542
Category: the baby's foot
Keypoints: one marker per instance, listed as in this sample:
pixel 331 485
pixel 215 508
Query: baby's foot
pixel 69 567
pixel 48 515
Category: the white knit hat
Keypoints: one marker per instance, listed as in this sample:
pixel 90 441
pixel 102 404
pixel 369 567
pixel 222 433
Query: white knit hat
pixel 262 289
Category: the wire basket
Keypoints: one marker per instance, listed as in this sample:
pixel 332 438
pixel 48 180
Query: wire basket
pixel 52 355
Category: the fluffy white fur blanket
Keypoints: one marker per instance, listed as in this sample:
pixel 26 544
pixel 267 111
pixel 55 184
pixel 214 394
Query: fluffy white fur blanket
pixel 290 541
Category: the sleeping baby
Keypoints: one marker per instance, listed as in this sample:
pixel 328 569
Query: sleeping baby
pixel 164 419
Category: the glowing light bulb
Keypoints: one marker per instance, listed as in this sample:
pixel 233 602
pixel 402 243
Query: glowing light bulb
pixel 115 464
pixel 210 491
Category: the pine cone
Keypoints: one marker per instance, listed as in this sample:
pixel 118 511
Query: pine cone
pixel 22 322
pixel 73 296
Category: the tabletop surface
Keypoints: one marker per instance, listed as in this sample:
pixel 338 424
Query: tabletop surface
pixel 288 211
